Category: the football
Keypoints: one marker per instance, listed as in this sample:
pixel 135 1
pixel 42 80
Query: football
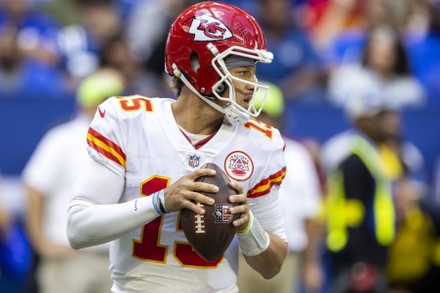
pixel 211 233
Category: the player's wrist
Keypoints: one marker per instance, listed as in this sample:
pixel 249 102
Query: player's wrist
pixel 253 240
pixel 159 202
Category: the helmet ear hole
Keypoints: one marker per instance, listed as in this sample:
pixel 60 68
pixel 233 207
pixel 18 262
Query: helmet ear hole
pixel 195 63
pixel 221 89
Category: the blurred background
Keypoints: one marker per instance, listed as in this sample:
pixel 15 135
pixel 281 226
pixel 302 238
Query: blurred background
pixel 325 52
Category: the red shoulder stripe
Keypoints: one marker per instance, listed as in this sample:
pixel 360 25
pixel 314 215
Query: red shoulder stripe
pixel 265 185
pixel 106 147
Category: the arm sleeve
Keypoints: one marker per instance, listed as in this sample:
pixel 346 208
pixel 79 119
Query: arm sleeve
pixel 94 214
pixel 269 214
pixel 264 196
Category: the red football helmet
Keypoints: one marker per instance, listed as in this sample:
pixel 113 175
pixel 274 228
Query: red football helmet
pixel 198 42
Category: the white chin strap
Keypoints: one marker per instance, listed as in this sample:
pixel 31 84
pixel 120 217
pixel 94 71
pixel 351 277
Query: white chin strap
pixel 232 114
pixel 235 116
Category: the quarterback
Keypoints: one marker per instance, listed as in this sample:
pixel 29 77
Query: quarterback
pixel 146 153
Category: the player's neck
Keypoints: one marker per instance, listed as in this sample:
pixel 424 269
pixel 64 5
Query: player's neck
pixel 195 116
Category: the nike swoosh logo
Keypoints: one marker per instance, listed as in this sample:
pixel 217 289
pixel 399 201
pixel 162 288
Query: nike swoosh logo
pixel 101 113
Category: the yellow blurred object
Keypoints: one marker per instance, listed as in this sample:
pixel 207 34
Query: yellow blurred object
pixel 354 212
pixel 98 86
pixel 411 253
pixel 392 166
pixel 274 104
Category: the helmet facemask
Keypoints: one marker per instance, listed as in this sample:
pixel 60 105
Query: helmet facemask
pixel 235 113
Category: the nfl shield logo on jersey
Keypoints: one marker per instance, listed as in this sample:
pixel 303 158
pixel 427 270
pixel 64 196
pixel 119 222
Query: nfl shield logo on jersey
pixel 194 161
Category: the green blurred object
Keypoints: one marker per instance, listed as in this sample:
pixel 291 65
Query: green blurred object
pixel 97 87
pixel 274 105
pixel 66 11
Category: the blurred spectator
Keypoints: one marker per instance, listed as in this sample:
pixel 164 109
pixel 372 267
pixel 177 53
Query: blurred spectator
pixel 65 11
pixel 296 67
pixel 4 221
pixel 138 80
pixel 68 12
pixel 300 198
pixel 360 209
pixel 414 261
pixel 402 158
pixel 326 19
pixel 24 77
pixel 251 6
pixel 36 31
pixel 384 65
pixel 409 256
pixel 414 252
pixel 15 251
pixel 341 31
pixel 423 45
pixel 424 221
pixel 147 28
pixel 81 43
pixel 436 180
pixel 48 178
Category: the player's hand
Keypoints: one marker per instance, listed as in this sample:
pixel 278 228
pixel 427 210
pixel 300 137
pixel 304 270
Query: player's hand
pixel 242 208
pixel 185 192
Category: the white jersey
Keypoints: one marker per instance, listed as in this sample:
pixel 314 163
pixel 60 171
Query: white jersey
pixel 139 139
pixel 299 194
pixel 52 173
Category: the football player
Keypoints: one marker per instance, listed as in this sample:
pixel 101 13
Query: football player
pixel 146 154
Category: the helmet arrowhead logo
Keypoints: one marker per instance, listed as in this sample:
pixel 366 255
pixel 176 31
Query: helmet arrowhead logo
pixel 207 28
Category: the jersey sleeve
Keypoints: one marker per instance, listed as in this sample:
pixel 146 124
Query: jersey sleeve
pixel 105 137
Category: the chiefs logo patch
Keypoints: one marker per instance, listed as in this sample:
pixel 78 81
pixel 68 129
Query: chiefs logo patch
pixel 206 28
pixel 239 166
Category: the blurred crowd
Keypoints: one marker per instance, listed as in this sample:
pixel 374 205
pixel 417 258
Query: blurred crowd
pixel 318 44
pixel 48 46
pixel 340 53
